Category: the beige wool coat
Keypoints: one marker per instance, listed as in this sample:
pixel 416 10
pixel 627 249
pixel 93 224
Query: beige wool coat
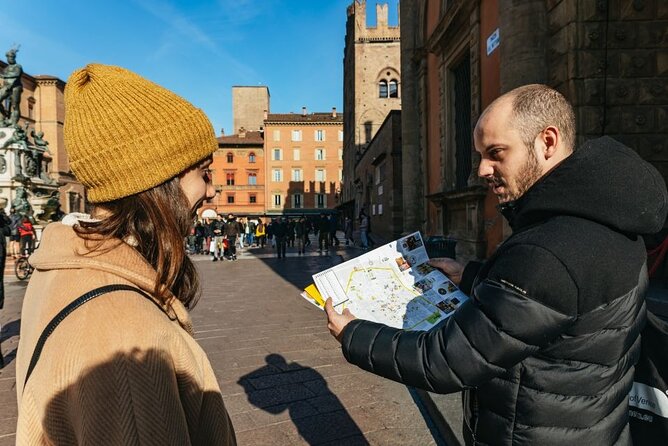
pixel 120 369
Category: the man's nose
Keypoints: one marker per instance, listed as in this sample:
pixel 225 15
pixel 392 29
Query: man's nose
pixel 485 168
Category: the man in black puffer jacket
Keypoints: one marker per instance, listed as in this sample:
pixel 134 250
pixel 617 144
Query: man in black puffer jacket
pixel 546 346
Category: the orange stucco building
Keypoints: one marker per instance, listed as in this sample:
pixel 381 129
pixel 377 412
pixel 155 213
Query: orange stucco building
pixel 238 175
pixel 303 163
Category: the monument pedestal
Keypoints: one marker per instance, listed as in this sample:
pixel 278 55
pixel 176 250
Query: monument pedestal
pixel 38 191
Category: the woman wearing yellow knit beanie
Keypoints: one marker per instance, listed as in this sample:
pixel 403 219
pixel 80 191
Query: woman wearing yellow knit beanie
pixel 107 354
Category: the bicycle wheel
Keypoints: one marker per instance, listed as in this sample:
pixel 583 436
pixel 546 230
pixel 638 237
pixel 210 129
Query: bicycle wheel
pixel 22 268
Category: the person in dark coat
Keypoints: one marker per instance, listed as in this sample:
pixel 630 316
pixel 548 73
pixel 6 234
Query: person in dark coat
pixel 546 345
pixel 333 227
pixel 5 231
pixel 231 231
pixel 301 234
pixel 280 231
pixel 323 233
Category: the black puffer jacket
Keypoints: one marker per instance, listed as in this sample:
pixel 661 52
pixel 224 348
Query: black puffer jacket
pixel 547 343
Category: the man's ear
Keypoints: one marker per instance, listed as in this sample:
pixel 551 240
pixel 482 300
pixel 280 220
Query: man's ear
pixel 549 139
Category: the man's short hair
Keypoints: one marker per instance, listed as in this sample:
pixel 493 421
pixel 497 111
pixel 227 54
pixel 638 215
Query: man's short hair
pixel 538 106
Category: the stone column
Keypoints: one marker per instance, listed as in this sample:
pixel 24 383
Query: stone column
pixel 523 28
pixel 411 154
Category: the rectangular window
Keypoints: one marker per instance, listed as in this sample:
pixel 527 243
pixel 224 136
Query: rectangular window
pixel 297 201
pixel 320 201
pixel 252 179
pixel 295 154
pixel 320 175
pixel 319 154
pixel 277 155
pixel 340 174
pixel 297 175
pixel 277 135
pixel 319 135
pixel 380 208
pixel 296 135
pixel 340 154
pixel 340 135
pixel 230 179
pixel 380 173
pixel 277 200
pixel 277 175
pixel 230 199
pixel 380 189
pixel 252 199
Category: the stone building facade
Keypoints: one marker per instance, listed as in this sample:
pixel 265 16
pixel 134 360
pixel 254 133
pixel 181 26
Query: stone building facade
pixel 608 58
pixel 378 176
pixel 303 162
pixel 238 175
pixel 249 105
pixel 371 87
pixel 42 107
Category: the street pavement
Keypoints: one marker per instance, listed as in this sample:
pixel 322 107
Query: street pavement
pixel 283 377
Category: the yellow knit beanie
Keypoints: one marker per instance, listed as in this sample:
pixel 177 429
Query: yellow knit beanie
pixel 124 134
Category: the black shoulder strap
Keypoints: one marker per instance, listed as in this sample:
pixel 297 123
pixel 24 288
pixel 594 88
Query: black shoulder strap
pixel 51 326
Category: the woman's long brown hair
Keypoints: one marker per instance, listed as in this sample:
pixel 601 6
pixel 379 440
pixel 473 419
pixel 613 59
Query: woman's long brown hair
pixel 157 220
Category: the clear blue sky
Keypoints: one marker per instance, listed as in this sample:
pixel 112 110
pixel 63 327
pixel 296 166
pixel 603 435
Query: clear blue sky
pixel 197 48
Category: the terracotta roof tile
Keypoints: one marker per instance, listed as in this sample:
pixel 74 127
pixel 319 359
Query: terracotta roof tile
pixel 250 139
pixel 306 119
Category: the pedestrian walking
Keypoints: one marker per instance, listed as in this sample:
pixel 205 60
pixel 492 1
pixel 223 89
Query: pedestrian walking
pixel 26 236
pixel 364 229
pixel 231 232
pixel 123 366
pixel 14 238
pixel 260 234
pixel 5 231
pixel 348 231
pixel 545 347
pixel 333 227
pixel 216 229
pixel 323 233
pixel 300 234
pixel 280 231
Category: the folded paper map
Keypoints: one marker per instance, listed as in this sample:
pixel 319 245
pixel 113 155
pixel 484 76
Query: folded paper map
pixel 393 284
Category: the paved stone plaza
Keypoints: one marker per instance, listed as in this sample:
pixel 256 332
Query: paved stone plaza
pixel 283 376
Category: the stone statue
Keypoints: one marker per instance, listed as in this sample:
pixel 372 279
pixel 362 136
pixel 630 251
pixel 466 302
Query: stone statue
pixel 12 89
pixel 36 156
pixel 19 138
pixel 3 161
pixel 20 202
pixel 51 208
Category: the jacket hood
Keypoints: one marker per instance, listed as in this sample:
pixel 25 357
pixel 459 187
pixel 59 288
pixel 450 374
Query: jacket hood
pixel 603 181
pixel 61 248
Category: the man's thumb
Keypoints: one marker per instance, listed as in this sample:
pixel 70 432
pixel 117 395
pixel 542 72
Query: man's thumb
pixel 329 306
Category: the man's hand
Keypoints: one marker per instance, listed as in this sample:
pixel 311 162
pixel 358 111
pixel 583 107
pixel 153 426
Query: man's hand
pixel 450 268
pixel 337 322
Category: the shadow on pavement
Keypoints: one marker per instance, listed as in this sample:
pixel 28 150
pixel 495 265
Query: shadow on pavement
pixel 317 413
pixel 7 331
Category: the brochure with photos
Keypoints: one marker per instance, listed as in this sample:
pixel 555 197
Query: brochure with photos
pixel 393 284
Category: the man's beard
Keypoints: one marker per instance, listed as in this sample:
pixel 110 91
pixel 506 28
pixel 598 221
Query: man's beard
pixel 525 178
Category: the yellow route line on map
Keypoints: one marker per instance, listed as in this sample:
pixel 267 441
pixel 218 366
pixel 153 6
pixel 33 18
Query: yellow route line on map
pixel 350 278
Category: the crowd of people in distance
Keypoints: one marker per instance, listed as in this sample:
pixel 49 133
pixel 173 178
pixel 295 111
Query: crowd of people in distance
pixel 220 237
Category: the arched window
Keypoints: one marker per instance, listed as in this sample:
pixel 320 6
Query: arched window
pixel 251 157
pixel 230 179
pixel 382 89
pixel 230 157
pixel 394 89
pixel 252 179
